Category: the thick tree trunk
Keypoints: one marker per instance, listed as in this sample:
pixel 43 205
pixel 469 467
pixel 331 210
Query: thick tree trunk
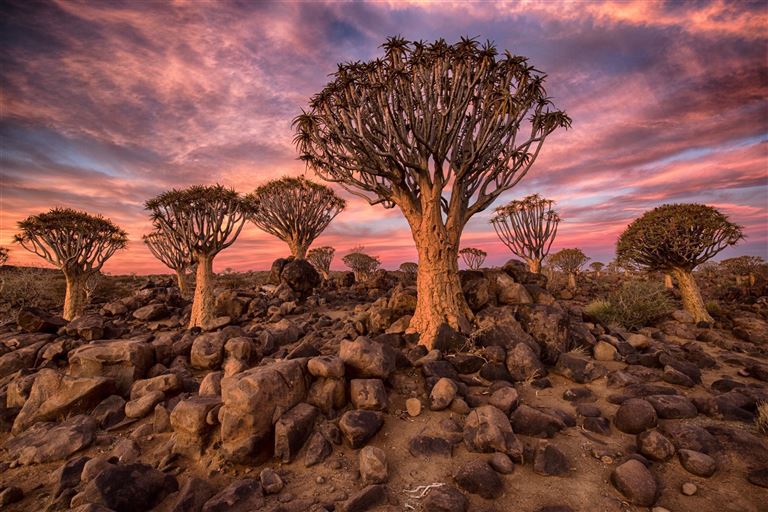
pixel 572 280
pixel 534 265
pixel 203 303
pixel 181 280
pixel 752 279
pixel 689 291
pixel 668 282
pixel 75 298
pixel 439 295
pixel 298 251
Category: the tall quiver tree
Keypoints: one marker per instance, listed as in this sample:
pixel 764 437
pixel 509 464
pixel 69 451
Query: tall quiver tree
pixel 439 131
pixel 77 243
pixel 321 259
pixel 295 210
pixel 205 220
pixel 528 227
pixel 473 257
pixel 676 238
pixel 172 253
pixel 569 261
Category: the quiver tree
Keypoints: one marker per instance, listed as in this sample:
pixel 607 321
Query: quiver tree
pixel 473 258
pixel 3 255
pixel 321 259
pixel 597 267
pixel 569 261
pixel 77 243
pixel 675 238
pixel 173 253
pixel 362 264
pixel 295 210
pixel 528 227
pixel 204 220
pixel 409 269
pixel 744 267
pixel 438 130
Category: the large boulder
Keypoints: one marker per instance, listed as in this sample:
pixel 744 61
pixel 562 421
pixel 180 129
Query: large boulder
pixel 22 357
pixel 37 320
pixel 207 351
pixel 635 482
pixel 549 326
pixel 88 327
pixel 54 396
pixel 301 277
pixel 253 402
pixel 523 363
pixel 366 358
pixel 124 361
pixel 48 442
pixel 487 429
pixel 190 426
pixel 277 268
pixel 476 288
pixel 129 487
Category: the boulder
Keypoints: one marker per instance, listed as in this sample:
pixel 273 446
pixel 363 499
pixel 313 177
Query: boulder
pixel 670 407
pixel 478 477
pixel 48 442
pixel 123 361
pixel 143 405
pixel 88 327
pixel 549 460
pixel 326 366
pixel 359 426
pixel 549 326
pixel 366 358
pixel 445 498
pixel 634 416
pixel 487 429
pixel 190 426
pixel 54 396
pixel 168 383
pixel 635 482
pixel 697 463
pixel 292 430
pixel 655 446
pixel 523 363
pixel 301 277
pixel 442 394
pixel 208 351
pixel 243 495
pixel 578 369
pixel 368 394
pixel 151 312
pixel 129 487
pixel 373 465
pixel 368 498
pixel 37 320
pixel 254 400
pixel 193 495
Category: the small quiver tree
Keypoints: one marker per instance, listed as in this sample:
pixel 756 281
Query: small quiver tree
pixel 596 267
pixel 675 238
pixel 295 210
pixel 409 270
pixel 743 268
pixel 569 261
pixel 528 227
pixel 473 257
pixel 173 253
pixel 4 253
pixel 77 243
pixel 321 259
pixel 440 131
pixel 204 220
pixel 362 264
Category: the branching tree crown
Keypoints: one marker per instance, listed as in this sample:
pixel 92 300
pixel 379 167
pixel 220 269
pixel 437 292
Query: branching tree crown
pixel 203 219
pixel 743 265
pixel 295 210
pixel 677 236
pixel 168 250
pixel 74 241
pixel 569 261
pixel 362 264
pixel 321 259
pixel 596 266
pixel 427 117
pixel 409 268
pixel 473 257
pixel 528 227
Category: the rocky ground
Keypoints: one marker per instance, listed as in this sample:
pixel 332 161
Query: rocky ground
pixel 318 401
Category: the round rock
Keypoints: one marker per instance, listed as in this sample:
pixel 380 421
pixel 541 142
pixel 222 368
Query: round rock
pixel 634 416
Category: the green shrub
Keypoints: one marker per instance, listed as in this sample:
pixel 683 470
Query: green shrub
pixel 636 304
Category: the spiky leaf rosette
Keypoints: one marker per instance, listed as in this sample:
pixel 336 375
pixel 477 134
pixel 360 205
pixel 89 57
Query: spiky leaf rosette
pixel 71 240
pixel 169 250
pixel 295 210
pixel 568 260
pixel 426 117
pixel 528 226
pixel 678 236
pixel 321 258
pixel 473 257
pixel 203 219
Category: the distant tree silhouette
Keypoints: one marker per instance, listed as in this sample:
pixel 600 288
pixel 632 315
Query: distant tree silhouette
pixel 676 238
pixel 173 253
pixel 409 269
pixel 597 267
pixel 295 210
pixel 744 267
pixel 528 227
pixel 570 262
pixel 438 130
pixel 77 243
pixel 362 264
pixel 473 257
pixel 321 259
pixel 204 220
pixel 4 253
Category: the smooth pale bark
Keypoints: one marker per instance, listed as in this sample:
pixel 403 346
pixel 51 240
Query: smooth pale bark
pixel 203 302
pixel 752 279
pixel 298 251
pixel 692 301
pixel 572 280
pixel 75 297
pixel 534 266
pixel 668 282
pixel 181 280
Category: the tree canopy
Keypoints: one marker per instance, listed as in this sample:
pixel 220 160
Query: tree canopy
pixel 568 260
pixel 677 236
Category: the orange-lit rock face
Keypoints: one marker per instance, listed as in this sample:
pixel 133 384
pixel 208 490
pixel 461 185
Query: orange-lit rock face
pixel 104 108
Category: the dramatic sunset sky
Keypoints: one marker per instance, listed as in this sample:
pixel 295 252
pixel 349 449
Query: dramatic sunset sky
pixel 108 103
